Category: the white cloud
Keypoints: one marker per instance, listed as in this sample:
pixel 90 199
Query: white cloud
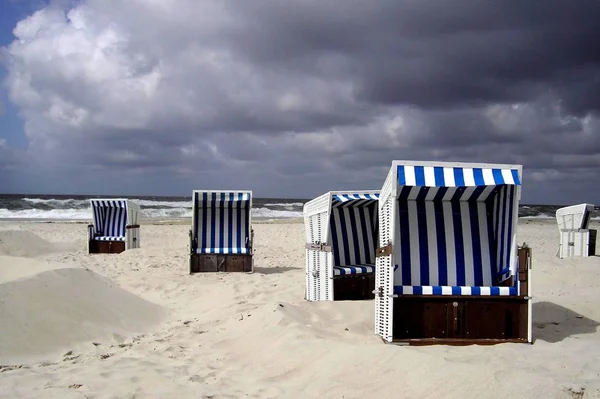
pixel 212 86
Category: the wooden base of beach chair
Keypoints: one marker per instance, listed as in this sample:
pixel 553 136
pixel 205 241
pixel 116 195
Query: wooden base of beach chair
pixel 459 320
pixel 106 247
pixel 354 287
pixel 200 263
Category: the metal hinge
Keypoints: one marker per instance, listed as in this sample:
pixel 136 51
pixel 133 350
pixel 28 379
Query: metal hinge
pixel 318 247
pixel 380 293
pixel 384 251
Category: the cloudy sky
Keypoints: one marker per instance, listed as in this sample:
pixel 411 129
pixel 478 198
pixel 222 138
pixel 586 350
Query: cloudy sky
pixel 294 98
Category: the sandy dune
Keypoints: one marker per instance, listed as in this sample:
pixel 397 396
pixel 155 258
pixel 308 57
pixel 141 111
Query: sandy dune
pixel 253 335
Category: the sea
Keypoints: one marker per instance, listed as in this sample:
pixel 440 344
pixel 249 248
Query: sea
pixel 77 207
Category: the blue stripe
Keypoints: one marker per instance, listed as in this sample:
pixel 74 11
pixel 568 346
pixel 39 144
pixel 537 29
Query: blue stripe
pixel 239 211
pixel 478 176
pixel 454 290
pixel 493 246
pixel 440 231
pixel 515 174
pixel 230 238
pixel 344 235
pixel 498 178
pixel 423 237
pixel 365 233
pixel 213 224
pixel 352 217
pixel 438 172
pixel 502 224
pixel 401 176
pixel 204 221
pixel 459 247
pixel 404 235
pixel 419 176
pixel 222 222
pixel 459 178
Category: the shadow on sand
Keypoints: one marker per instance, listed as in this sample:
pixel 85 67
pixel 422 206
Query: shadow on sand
pixel 273 270
pixel 553 323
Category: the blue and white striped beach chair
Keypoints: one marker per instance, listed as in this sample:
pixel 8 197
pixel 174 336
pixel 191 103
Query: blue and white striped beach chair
pixel 341 237
pixel 115 226
pixel 221 234
pixel 448 264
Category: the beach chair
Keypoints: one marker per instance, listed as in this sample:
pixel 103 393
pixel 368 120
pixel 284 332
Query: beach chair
pixel 221 236
pixel 576 239
pixel 341 236
pixel 115 226
pixel 448 268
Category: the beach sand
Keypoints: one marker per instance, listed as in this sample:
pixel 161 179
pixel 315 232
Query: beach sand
pixel 137 325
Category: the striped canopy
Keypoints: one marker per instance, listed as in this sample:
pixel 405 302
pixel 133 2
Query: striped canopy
pixel 110 219
pixel 223 200
pixel 352 199
pixel 108 203
pixel 221 222
pixel 438 176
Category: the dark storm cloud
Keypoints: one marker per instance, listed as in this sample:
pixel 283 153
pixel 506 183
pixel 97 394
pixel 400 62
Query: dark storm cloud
pixel 300 96
pixel 434 54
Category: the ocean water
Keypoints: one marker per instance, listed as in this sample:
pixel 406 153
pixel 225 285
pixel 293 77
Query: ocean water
pixel 62 207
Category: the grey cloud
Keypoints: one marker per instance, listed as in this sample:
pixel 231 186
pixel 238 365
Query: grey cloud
pixel 305 96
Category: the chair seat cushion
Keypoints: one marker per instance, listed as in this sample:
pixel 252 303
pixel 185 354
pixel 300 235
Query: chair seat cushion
pixel 455 290
pixel 233 250
pixel 110 238
pixel 358 269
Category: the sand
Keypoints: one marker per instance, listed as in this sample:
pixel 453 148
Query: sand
pixel 169 334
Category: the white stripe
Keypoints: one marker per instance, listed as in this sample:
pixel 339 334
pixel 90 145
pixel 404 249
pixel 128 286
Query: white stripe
pixel 429 176
pixel 508 177
pixel 351 234
pixel 226 247
pixel 413 223
pixel 469 177
pixel 449 177
pixel 427 290
pixel 488 177
pixel 465 290
pixel 450 252
pixel 467 243
pixel 446 290
pixel 409 173
pixel 486 193
pixel 414 192
pixel 218 244
pixel 485 290
pixel 245 232
pixel 485 244
pixel 449 194
pixel 362 239
pixel 431 193
pixel 505 230
pixel 466 195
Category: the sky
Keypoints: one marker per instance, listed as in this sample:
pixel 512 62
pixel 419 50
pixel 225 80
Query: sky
pixel 295 98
